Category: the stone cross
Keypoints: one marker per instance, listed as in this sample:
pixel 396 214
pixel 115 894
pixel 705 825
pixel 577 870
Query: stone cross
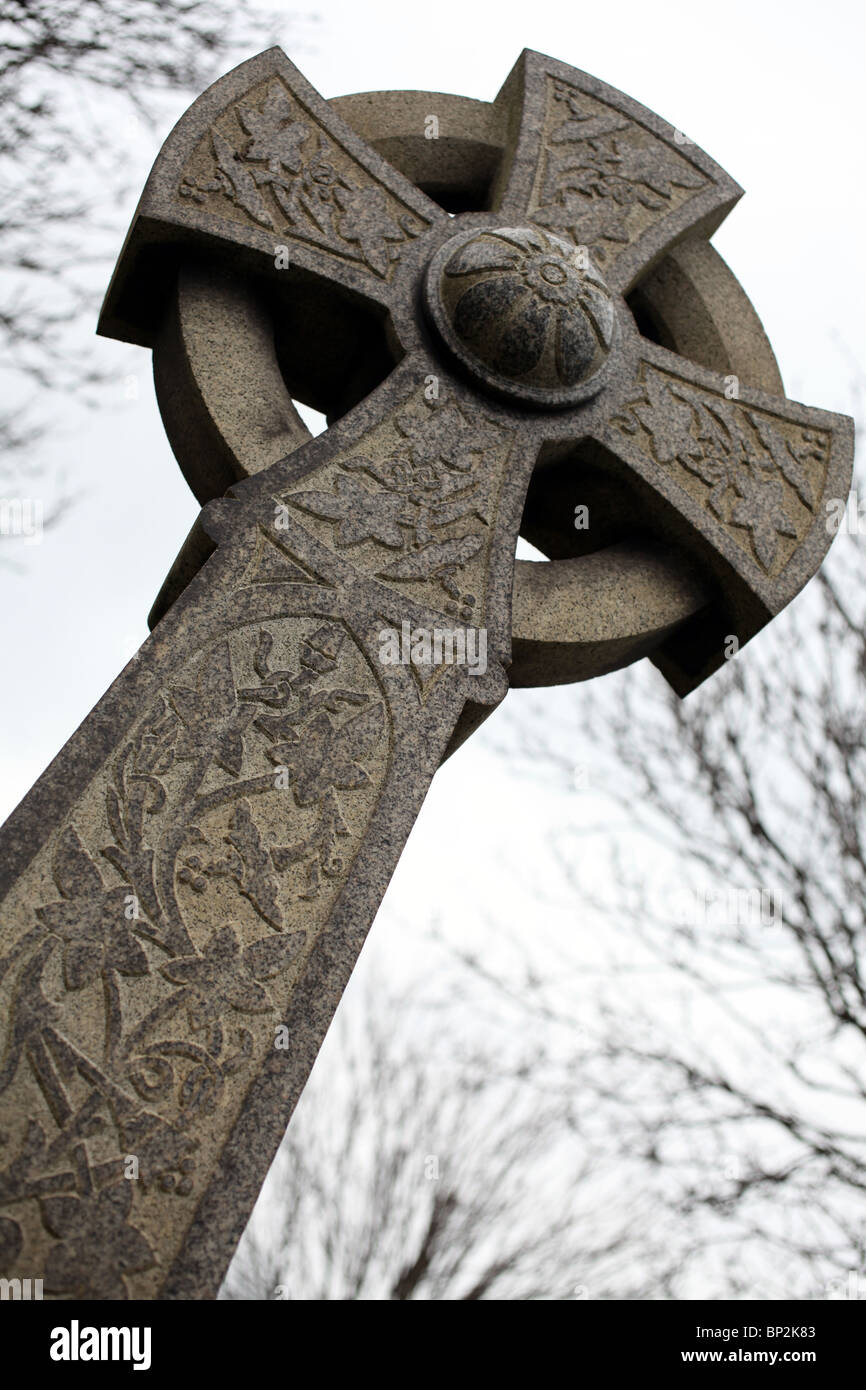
pixel 514 322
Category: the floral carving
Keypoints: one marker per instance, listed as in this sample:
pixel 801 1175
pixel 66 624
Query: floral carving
pixel 212 722
pixel 96 1246
pixel 361 515
pixel 276 137
pixel 757 477
pixel 323 756
pixel 760 508
pixel 430 481
pixel 246 861
pixel 224 976
pixel 603 172
pixel 318 851
pixel 90 920
pixel 180 801
pixel 285 174
pixel 365 221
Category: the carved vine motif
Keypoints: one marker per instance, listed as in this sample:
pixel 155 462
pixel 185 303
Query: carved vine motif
pixel 604 178
pixel 426 493
pixel 762 476
pixel 85 1209
pixel 130 1010
pixel 287 176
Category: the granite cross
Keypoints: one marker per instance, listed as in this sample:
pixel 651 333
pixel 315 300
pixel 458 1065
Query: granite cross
pixel 512 317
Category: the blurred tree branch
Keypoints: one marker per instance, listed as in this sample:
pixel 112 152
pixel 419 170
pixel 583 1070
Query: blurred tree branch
pixel 78 80
pixel 727 1025
pixel 422 1164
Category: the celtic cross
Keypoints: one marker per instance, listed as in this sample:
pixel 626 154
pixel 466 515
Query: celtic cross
pixel 513 320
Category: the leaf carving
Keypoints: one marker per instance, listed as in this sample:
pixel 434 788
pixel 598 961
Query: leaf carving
pixel 75 873
pixel 435 558
pixel 325 755
pixel 240 180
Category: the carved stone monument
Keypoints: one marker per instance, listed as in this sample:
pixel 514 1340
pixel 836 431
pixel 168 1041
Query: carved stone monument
pixel 512 317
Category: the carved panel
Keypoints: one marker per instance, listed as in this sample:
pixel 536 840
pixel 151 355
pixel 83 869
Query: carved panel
pixel 760 475
pixel 152 945
pixel 603 178
pixel 267 161
pixel 413 502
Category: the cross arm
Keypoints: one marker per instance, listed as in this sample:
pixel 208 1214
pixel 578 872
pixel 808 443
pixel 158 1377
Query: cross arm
pixel 261 170
pixel 587 162
pixel 185 891
pixel 734 479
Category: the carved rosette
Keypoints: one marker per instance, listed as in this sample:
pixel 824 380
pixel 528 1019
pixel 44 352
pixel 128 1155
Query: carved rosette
pixel 524 312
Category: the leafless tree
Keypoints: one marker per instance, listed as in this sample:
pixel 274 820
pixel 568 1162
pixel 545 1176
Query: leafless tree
pixel 424 1163
pixel 81 83
pixel 727 1024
